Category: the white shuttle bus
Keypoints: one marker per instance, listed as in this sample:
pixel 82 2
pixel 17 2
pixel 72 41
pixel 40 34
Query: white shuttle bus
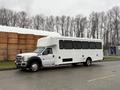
pixel 54 51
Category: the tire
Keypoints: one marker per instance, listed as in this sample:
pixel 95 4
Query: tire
pixel 34 67
pixel 88 62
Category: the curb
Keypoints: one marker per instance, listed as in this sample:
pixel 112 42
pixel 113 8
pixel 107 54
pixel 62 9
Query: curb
pixel 109 60
pixel 5 69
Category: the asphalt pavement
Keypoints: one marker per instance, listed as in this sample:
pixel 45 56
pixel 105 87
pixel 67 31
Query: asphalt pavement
pixel 99 76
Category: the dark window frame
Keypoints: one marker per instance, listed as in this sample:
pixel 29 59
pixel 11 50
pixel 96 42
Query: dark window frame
pixel 79 44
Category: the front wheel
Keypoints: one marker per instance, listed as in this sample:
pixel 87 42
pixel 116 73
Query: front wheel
pixel 34 67
pixel 88 62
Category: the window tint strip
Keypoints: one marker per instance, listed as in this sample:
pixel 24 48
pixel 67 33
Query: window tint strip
pixel 68 44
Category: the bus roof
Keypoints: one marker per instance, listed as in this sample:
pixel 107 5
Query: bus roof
pixel 51 41
pixel 76 39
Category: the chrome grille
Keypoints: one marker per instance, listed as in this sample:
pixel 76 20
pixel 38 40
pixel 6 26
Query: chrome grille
pixel 18 59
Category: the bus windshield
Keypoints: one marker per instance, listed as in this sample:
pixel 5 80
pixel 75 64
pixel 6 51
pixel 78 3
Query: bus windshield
pixel 39 50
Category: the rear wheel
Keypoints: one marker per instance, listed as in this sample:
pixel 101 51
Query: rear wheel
pixel 88 62
pixel 34 66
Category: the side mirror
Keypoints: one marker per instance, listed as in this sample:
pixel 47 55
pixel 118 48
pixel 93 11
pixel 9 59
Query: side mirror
pixel 39 54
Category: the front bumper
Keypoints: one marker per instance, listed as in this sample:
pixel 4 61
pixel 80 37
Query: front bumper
pixel 21 64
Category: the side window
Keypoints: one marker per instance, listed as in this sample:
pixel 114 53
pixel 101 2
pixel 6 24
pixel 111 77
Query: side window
pixel 85 45
pixel 99 45
pixel 68 44
pixel 77 45
pixel 48 51
pixel 92 45
pixel 65 44
pixel 61 44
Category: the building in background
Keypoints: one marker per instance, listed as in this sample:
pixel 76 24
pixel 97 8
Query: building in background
pixel 112 51
pixel 118 50
pixel 15 40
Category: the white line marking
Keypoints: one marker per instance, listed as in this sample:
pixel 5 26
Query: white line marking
pixel 101 78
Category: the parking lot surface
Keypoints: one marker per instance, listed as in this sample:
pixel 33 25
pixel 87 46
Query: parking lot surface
pixel 99 76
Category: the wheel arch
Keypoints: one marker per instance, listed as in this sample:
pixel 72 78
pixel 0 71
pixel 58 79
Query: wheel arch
pixel 86 62
pixel 89 58
pixel 34 59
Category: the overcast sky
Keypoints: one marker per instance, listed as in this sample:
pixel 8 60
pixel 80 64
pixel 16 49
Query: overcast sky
pixel 59 7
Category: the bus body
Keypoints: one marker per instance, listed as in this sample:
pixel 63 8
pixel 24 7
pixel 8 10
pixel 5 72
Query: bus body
pixel 54 51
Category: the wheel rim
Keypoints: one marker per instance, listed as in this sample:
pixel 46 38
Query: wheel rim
pixel 34 67
pixel 88 62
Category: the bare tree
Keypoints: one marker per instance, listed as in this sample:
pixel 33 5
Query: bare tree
pixel 67 30
pixel 108 32
pixel 94 24
pixel 5 16
pixel 13 19
pixel 22 19
pixel 57 23
pixel 63 22
pixel 116 23
pixel 81 23
pixel 72 27
pixel 38 22
pixel 77 22
pixel 52 23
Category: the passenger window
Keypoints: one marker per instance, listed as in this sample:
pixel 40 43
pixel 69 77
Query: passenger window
pixel 48 51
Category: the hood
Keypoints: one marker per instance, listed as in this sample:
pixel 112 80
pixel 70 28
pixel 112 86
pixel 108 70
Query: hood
pixel 27 54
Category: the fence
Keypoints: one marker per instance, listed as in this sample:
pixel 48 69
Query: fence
pixel 13 43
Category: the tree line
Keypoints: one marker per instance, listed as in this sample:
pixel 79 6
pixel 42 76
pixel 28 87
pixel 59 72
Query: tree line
pixel 103 25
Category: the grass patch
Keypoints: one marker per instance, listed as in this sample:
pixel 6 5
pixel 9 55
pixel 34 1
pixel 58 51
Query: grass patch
pixel 111 58
pixel 7 64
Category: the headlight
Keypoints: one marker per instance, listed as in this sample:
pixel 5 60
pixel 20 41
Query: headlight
pixel 24 59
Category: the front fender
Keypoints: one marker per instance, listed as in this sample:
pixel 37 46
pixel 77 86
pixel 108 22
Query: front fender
pixel 34 59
